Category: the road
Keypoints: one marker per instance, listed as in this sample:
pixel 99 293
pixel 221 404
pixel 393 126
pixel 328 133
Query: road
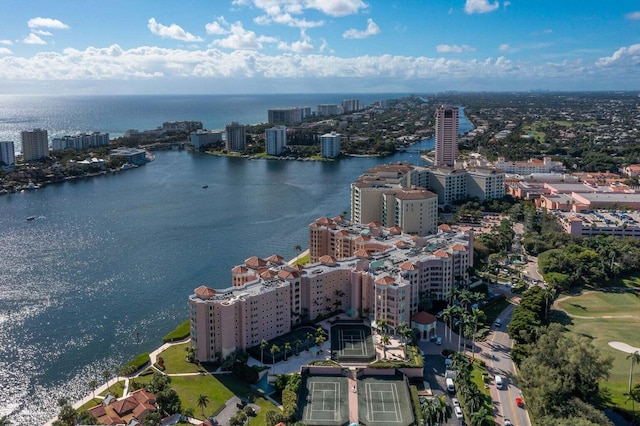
pixel 495 351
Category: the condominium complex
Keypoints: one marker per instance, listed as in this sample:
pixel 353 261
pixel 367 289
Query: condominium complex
pixel 330 145
pixel 181 126
pixel 533 165
pixel 236 138
pixel 7 153
pixel 35 145
pixel 287 116
pixel 81 141
pixel 351 105
pixel 275 140
pixel 325 110
pixel 446 135
pixel 202 138
pixel 448 184
pixel 365 270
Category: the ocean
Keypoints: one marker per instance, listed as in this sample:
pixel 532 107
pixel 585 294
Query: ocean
pixel 105 269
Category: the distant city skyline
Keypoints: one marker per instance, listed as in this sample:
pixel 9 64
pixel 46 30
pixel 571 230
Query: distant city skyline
pixel 316 46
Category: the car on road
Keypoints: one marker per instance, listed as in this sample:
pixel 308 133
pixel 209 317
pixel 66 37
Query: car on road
pixel 438 340
pixel 507 422
pixel 458 412
pixel 519 402
pixel 455 402
pixel 498 322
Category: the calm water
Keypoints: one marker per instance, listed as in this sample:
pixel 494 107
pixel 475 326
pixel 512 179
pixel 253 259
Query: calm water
pixel 117 255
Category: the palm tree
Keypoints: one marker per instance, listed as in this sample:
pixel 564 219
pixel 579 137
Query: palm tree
pixel 383 324
pixel 287 348
pixel 191 353
pixel 635 359
pixel 321 336
pixel 309 336
pixel 298 250
pixel 106 374
pixel 93 384
pixel 203 400
pixel 385 340
pixel 274 350
pixel 263 345
pixel 475 317
pixel 404 330
pixel 298 343
pixel 442 408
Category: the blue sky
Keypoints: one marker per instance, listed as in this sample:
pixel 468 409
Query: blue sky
pixel 283 46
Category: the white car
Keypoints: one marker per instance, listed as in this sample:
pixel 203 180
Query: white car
pixel 458 412
pixel 438 340
pixel 507 422
pixel 455 402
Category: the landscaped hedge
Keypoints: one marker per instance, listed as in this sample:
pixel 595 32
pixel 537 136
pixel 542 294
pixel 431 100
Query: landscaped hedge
pixel 139 361
pixel 417 409
pixel 179 333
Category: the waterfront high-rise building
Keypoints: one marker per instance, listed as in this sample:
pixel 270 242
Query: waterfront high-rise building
pixel 236 137
pixel 446 135
pixel 80 141
pixel 203 138
pixel 293 115
pixel 35 144
pixel 330 145
pixel 367 271
pixel 326 110
pixel 351 105
pixel 7 153
pixel 275 140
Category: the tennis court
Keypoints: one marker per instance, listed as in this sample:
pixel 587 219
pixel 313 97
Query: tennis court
pixel 352 343
pixel 384 401
pixel 325 400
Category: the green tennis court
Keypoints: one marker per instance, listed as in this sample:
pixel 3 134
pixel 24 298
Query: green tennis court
pixel 384 401
pixel 324 400
pixel 352 343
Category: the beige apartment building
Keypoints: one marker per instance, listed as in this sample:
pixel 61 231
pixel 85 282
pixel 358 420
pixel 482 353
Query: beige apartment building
pixel 367 271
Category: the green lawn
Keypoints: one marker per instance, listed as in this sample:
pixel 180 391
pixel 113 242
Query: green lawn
pixel 189 388
pixel 604 330
pixel 115 389
pixel 174 360
pixel 596 304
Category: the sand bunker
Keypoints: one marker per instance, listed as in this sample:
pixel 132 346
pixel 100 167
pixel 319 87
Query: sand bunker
pixel 624 347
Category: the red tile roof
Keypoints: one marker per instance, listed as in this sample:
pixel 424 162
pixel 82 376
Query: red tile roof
pixel 204 292
pixel 424 318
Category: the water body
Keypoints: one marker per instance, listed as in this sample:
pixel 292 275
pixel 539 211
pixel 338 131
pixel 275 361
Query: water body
pixel 115 257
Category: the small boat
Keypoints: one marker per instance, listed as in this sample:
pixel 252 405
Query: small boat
pixel 30 218
pixel 205 186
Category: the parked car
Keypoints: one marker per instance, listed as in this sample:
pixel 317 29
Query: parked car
pixel 455 402
pixel 438 340
pixel 458 412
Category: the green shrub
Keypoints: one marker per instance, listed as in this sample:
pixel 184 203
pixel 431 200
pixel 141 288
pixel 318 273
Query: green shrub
pixel 179 333
pixel 415 401
pixel 139 361
pixel 245 373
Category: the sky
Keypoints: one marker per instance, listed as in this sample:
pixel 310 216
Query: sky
pixel 317 46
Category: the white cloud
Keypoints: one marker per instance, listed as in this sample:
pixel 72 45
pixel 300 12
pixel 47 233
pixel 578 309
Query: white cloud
pixel 47 23
pixel 172 31
pixel 372 29
pixel 633 15
pixel 454 48
pixel 217 27
pixel 324 46
pixel 301 46
pixel 5 51
pixel 33 39
pixel 504 47
pixel 6 42
pixel 625 56
pixel 336 7
pixel 42 32
pixel 239 38
pixel 480 6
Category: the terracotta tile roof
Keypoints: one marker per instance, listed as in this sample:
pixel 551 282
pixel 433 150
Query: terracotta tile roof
pixel 255 262
pixel 363 238
pixel 385 280
pixel 374 224
pixel 458 247
pixel 240 269
pixel 124 406
pixel 268 273
pixel 423 317
pixel 342 232
pixel 362 254
pixel 402 244
pixel 327 260
pixel 408 266
pixel 275 258
pixel 444 227
pixel 324 221
pixel 441 253
pixel 395 230
pixel 143 397
pixel 287 274
pixel 204 292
